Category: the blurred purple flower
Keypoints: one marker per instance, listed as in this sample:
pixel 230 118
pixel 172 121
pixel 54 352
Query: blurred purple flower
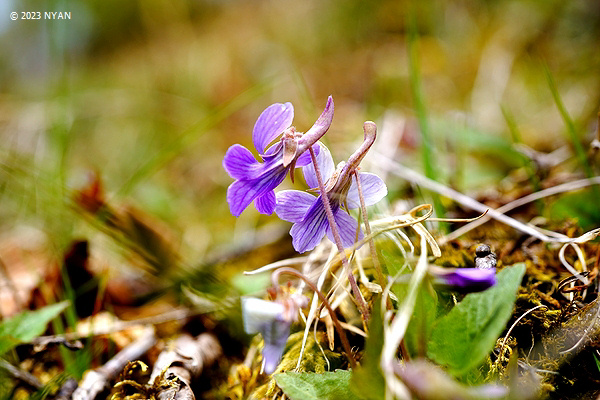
pixel 255 180
pixel 273 320
pixel 307 212
pixel 464 279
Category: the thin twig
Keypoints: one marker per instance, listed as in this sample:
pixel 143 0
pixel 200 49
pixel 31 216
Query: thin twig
pixel 21 375
pixel 96 381
pixel 122 325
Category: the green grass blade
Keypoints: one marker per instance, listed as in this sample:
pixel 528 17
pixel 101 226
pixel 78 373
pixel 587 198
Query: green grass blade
pixel 573 135
pixel 529 165
pixel 417 94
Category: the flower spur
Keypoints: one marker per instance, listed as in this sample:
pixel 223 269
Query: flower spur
pixel 307 212
pixel 255 181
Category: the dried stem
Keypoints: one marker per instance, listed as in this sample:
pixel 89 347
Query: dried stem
pixel 376 265
pixel 186 358
pixel 117 326
pixel 20 374
pixel 336 322
pixel 415 177
pixel 338 240
pixel 558 189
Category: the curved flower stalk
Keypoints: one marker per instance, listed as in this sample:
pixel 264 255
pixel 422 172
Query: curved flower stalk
pixel 255 181
pixel 307 212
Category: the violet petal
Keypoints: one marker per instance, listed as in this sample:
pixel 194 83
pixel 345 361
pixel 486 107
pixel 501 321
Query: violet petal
pixel 272 151
pixel 465 279
pixel 240 163
pixel 292 205
pixel 265 203
pixel 271 123
pixel 242 192
pixel 307 234
pixel 326 167
pixel 373 188
pixel 266 317
pixel 255 312
pixel 347 227
pixel 275 336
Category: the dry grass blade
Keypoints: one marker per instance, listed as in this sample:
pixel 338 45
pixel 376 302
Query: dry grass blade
pixel 394 331
pixel 409 219
pixel 563 188
pixel 278 264
pixel 415 177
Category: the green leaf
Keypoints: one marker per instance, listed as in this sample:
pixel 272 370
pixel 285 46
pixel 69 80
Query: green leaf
pixel 580 205
pixel 313 386
pixel 27 325
pixel 465 336
pixel 597 361
pixel 367 380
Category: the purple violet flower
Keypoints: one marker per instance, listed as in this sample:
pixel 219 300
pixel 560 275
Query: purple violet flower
pixel 464 279
pixel 307 212
pixel 273 320
pixel 255 180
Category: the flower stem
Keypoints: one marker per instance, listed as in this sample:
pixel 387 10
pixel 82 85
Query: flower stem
pixel 338 241
pixel 336 322
pixel 376 265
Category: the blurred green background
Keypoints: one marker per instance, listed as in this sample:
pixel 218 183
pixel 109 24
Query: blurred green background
pixel 151 93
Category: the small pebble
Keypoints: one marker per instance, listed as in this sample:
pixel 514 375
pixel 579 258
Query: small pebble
pixel 485 258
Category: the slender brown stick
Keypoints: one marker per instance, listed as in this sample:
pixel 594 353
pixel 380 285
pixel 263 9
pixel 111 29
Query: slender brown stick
pixel 376 265
pixel 336 322
pixel 107 329
pixel 338 240
pixel 20 374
